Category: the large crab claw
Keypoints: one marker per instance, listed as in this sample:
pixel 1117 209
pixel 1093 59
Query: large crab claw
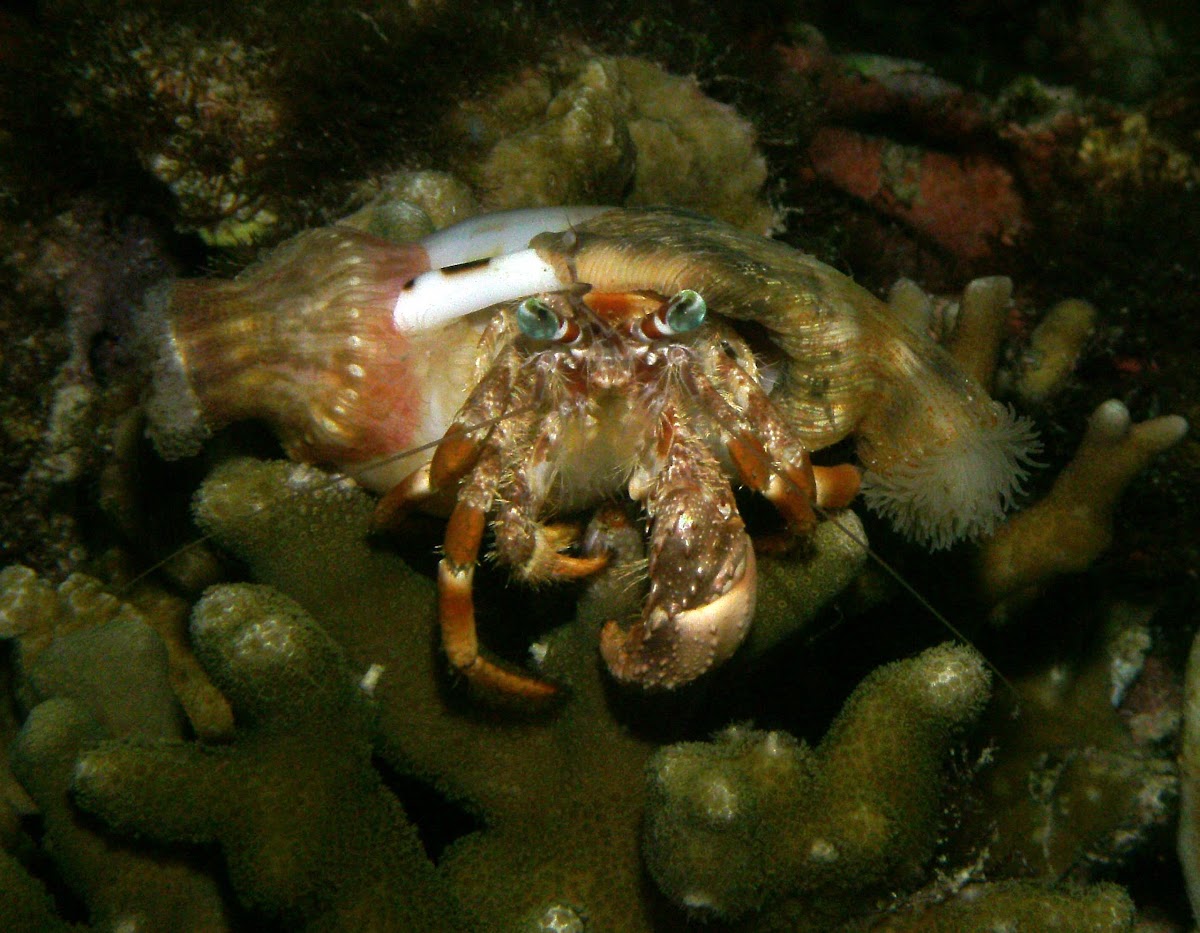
pixel 665 651
pixel 702 574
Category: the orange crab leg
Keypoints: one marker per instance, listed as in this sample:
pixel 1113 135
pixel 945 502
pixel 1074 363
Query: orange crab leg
pixel 394 504
pixel 836 486
pixel 793 490
pixel 456 612
pixel 453 459
pixel 548 562
pixel 790 491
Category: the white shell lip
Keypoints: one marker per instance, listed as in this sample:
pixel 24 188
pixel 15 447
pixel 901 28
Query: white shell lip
pixel 491 235
pixel 440 296
pixel 483 261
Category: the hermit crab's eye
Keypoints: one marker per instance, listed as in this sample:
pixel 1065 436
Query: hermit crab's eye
pixel 685 311
pixel 538 321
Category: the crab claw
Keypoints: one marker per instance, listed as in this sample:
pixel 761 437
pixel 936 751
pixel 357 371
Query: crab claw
pixel 663 651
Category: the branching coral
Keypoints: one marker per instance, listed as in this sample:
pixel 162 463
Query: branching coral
pixel 123 884
pixel 1054 349
pixel 1069 528
pixel 560 839
pixel 753 817
pixel 1078 782
pixel 309 832
pixel 96 670
pixel 126 666
pixel 563 830
pixel 26 905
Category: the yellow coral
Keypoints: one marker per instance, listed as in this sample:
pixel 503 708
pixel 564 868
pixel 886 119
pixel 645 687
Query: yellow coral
pixel 1072 526
pixel 1130 154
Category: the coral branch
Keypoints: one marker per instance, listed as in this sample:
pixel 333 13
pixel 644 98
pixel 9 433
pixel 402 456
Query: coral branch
pixel 308 830
pixel 1072 526
pixel 752 817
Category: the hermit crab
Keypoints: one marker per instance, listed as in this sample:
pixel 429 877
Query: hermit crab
pixel 553 360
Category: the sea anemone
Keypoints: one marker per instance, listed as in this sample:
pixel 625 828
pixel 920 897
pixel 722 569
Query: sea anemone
pixel 958 487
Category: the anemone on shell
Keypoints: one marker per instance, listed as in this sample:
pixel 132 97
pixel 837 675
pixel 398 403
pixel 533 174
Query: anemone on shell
pixel 352 349
pixel 960 488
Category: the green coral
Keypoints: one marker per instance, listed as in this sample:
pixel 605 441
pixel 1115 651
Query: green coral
pixel 78 641
pixel 755 816
pixel 756 825
pixel 126 664
pixel 309 832
pixel 89 667
pixel 561 799
pixel 125 885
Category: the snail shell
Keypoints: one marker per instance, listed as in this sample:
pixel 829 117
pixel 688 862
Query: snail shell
pixel 943 459
pixel 305 340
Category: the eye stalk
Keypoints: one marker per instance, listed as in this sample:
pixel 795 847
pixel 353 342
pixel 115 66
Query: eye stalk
pixel 684 312
pixel 538 321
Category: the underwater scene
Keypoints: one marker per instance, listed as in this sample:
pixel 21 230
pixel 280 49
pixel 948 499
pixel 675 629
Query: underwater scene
pixel 546 467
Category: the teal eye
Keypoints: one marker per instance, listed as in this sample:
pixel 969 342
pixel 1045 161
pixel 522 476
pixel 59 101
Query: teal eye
pixel 685 311
pixel 537 320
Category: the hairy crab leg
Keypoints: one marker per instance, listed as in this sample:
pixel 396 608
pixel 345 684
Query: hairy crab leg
pixel 548 562
pixel 453 458
pixel 533 548
pixel 703 580
pixel 456 602
pixel 473 464
pixel 755 470
pixel 456 613
pixel 790 486
pixel 392 507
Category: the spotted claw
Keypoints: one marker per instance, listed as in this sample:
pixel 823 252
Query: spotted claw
pixel 665 650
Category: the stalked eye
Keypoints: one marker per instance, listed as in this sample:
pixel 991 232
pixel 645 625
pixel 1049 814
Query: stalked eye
pixel 538 321
pixel 685 311
pixel 682 313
